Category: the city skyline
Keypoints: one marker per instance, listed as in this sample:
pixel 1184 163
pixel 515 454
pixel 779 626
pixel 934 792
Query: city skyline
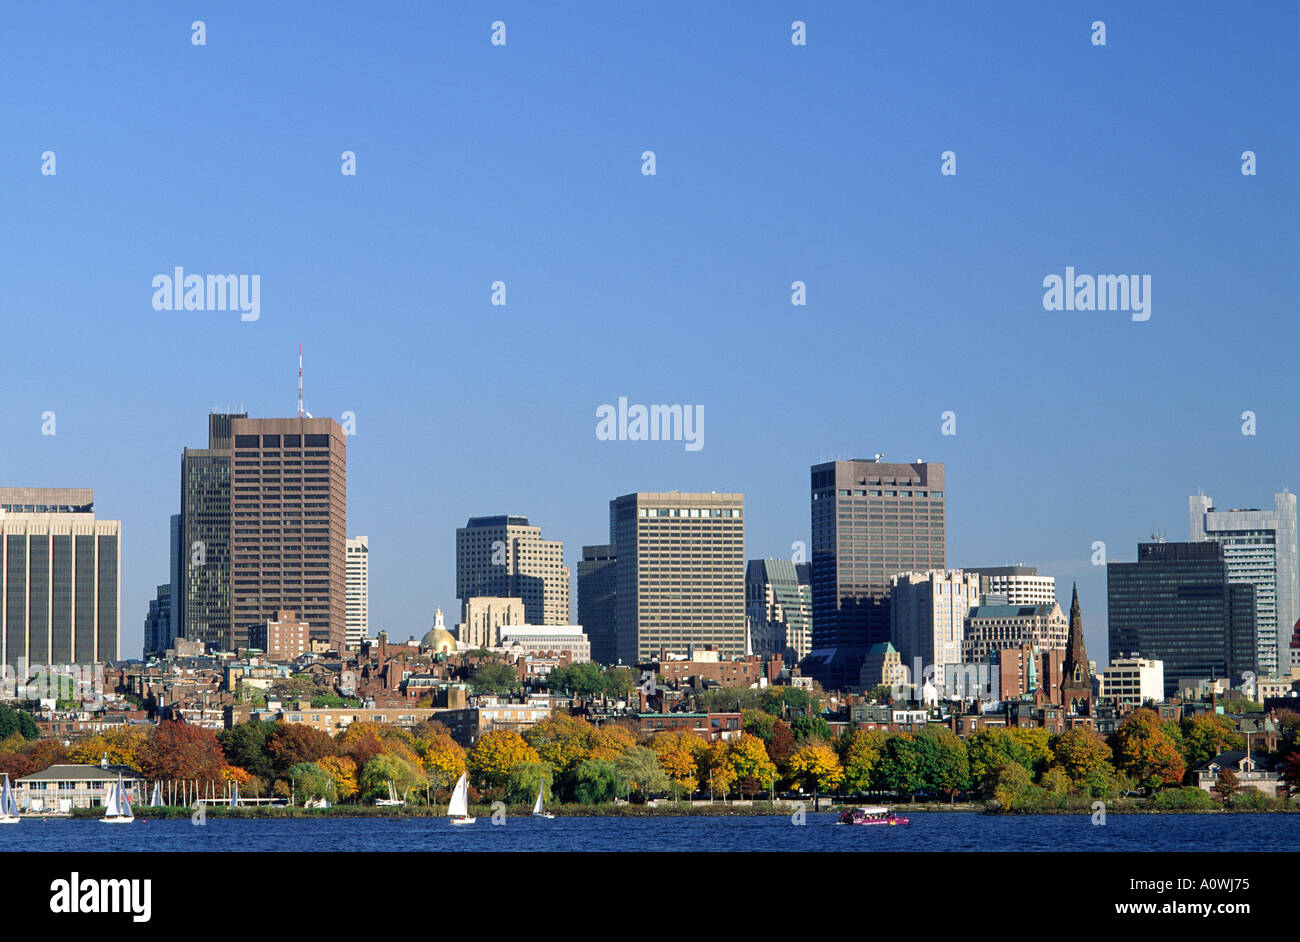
pixel 775 164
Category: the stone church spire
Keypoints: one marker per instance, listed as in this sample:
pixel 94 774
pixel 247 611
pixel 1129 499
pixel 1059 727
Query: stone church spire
pixel 1076 679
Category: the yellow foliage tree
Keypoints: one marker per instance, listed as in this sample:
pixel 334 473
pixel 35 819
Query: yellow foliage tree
pixel 679 753
pixel 716 768
pixel 122 746
pixel 817 765
pixel 563 741
pixel 495 754
pixel 749 759
pixel 611 741
pixel 443 759
pixel 343 772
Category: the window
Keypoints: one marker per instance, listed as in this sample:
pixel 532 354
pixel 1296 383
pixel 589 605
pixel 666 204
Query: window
pixel 246 441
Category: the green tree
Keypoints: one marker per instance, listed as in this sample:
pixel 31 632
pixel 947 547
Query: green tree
pixel 523 780
pixel 1011 785
pixel 641 772
pixel 494 677
pixel 310 781
pixel 17 721
pixel 900 765
pixel 759 723
pixel 619 682
pixel 597 781
pixel 860 754
pixel 1206 735
pixel 810 727
pixel 580 680
pixel 942 765
pixel 244 746
pixel 1085 759
pixel 384 768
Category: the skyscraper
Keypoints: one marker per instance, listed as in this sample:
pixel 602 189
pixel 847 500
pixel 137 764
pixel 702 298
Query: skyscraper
pixel 927 616
pixel 597 584
pixel 289 510
pixel 870 521
pixel 1021 585
pixel 60 578
pixel 358 590
pixel 680 573
pixel 263 528
pixel 1177 605
pixel 157 623
pixel 1259 547
pixel 778 604
pixel 506 557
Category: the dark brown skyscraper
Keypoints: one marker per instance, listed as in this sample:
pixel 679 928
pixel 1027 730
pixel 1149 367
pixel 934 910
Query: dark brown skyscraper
pixel 289 525
pixel 870 520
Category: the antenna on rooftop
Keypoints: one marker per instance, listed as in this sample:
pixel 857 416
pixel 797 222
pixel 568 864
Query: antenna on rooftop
pixel 300 380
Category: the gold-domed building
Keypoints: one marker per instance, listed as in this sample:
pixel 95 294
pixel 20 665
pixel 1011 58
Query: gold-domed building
pixel 438 639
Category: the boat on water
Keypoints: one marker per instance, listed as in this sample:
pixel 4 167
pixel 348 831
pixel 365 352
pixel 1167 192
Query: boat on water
pixel 458 809
pixel 8 804
pixel 392 801
pixel 117 810
pixel 155 800
pixel 871 814
pixel 537 807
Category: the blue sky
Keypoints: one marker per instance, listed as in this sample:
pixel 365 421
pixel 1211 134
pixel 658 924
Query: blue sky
pixel 774 163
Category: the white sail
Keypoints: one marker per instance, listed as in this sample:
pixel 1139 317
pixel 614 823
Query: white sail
pixel 537 805
pixel 459 807
pixel 156 801
pixel 111 807
pixel 8 803
pixel 234 794
pixel 123 799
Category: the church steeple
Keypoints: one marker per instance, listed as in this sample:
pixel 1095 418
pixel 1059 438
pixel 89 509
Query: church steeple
pixel 1076 681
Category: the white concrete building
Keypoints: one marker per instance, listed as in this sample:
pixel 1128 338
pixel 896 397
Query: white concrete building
pixel 546 639
pixel 1133 680
pixel 1260 548
pixel 927 615
pixel 358 590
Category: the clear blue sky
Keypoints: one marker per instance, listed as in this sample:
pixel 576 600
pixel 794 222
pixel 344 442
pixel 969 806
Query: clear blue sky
pixel 775 163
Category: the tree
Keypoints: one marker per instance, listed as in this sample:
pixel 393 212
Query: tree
pixel 310 782
pixel 810 727
pixel 383 769
pixel 1144 751
pixel 494 677
pixel 581 680
pixel 679 754
pixel 17 721
pixel 1290 771
pixel 1206 735
pixel 759 723
pixel 562 741
pixel 1227 785
pixel 639 769
pixel 490 760
pixel 749 759
pixel 1085 759
pixel 620 682
pixel 900 765
pixel 609 741
pixel 596 781
pixel 1011 782
pixel 1055 781
pixel 942 765
pixel 293 743
pixel 244 745
pixel 121 746
pixel 444 760
pixel 716 768
pixel 782 745
pixel 343 773
pixel 817 767
pixel 179 751
pixel 860 753
pixel 524 779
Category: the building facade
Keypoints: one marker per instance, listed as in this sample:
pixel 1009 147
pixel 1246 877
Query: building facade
pixel 506 557
pixel 870 521
pixel 60 578
pixel 778 605
pixel 1019 585
pixel 597 584
pixel 1132 681
pixel 680 573
pixel 1177 605
pixel 358 590
pixel 995 627
pixel 927 616
pixel 204 593
pixel 542 640
pixel 485 616
pixel 1259 547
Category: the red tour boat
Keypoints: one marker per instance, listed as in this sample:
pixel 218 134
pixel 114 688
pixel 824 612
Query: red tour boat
pixel 875 814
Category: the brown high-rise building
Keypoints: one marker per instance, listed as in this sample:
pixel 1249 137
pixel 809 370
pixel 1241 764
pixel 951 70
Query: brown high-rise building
pixel 289 525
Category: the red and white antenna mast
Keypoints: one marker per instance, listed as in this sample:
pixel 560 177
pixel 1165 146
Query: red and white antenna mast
pixel 300 381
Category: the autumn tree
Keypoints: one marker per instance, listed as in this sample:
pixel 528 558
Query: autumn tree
pixel 387 768
pixel 1086 760
pixel 244 745
pixel 1227 785
pixel 343 773
pixel 860 752
pixel 1010 783
pixel 443 759
pixel 816 766
pixel 609 741
pixel 716 768
pixel 524 779
pixel 1206 735
pixel 679 754
pixel 180 751
pixel 1144 751
pixel 561 740
pixel 292 743
pixel 749 760
pixel 490 760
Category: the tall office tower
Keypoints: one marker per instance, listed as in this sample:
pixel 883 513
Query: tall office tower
pixel 506 557
pixel 1020 585
pixel 681 573
pixel 157 623
pixel 778 604
pixel 289 484
pixel 176 567
pixel 1260 548
pixel 870 521
pixel 358 590
pixel 204 593
pixel 1176 604
pixel 597 581
pixel 60 578
pixel 927 616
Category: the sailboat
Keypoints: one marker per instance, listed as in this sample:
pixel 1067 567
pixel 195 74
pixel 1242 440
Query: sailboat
pixel 392 801
pixel 8 804
pixel 156 800
pixel 234 794
pixel 537 807
pixel 118 809
pixel 458 809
